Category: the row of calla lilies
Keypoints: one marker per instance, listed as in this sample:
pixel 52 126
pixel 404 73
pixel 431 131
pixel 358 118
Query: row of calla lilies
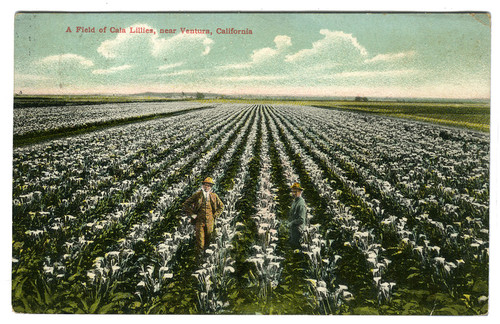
pixel 265 255
pixel 213 275
pixel 37 119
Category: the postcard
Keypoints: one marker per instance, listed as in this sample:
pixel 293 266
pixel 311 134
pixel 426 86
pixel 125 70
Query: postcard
pixel 319 163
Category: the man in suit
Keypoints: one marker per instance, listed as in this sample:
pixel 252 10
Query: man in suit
pixel 204 206
pixel 297 216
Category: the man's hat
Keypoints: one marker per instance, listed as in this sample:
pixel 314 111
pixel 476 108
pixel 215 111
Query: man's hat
pixel 209 181
pixel 296 186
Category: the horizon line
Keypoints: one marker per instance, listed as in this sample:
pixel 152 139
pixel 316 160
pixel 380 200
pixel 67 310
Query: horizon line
pixel 236 96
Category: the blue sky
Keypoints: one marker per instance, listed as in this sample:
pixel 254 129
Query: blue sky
pixel 313 54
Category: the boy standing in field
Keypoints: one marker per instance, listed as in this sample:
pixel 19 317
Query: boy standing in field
pixel 297 216
pixel 204 207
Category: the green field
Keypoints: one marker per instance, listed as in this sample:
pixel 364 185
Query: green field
pixel 473 116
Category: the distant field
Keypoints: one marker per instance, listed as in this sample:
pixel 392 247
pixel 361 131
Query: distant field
pixel 46 100
pixel 468 115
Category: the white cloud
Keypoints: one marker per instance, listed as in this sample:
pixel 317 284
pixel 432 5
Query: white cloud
pixel 253 78
pixel 170 66
pixel 265 54
pixel 19 77
pixel 336 46
pixel 108 48
pixel 127 44
pixel 390 57
pixel 65 59
pixel 236 66
pixel 282 42
pixel 372 74
pixel 112 69
pixel 182 72
pixel 199 44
